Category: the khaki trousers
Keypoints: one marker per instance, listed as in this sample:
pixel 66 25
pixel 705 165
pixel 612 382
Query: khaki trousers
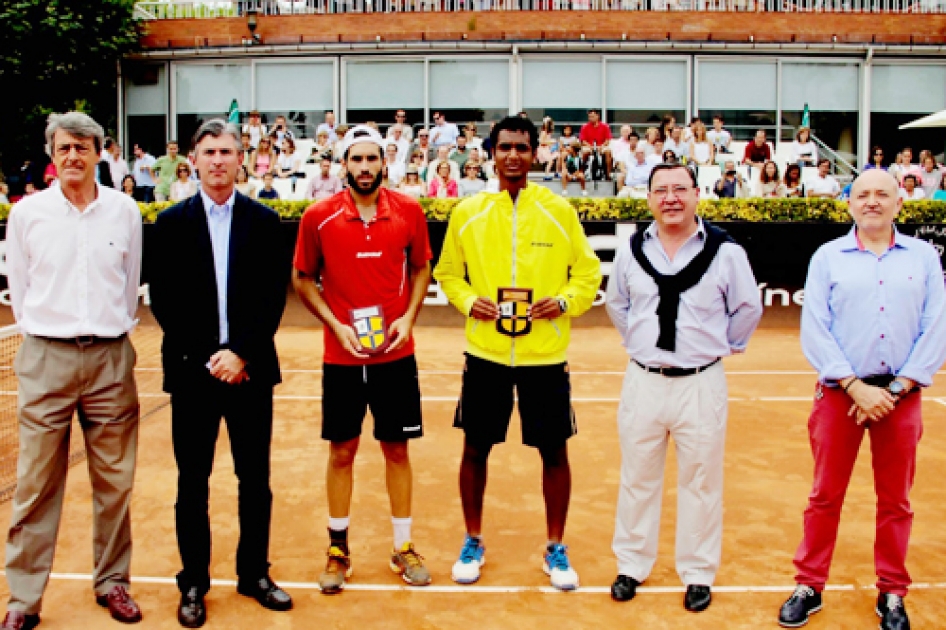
pixel 692 410
pixel 56 380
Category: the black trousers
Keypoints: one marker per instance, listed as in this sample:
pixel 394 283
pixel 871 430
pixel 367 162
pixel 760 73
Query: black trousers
pixel 195 423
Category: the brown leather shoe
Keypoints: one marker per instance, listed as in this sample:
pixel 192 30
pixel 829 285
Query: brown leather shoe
pixel 120 604
pixel 17 620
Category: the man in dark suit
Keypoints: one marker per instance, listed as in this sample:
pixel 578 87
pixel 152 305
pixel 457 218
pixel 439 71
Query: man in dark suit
pixel 218 290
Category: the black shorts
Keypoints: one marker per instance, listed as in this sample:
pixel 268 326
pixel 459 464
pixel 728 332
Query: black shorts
pixel 486 402
pixel 390 390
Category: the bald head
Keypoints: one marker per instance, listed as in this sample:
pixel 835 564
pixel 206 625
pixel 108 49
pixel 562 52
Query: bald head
pixel 873 179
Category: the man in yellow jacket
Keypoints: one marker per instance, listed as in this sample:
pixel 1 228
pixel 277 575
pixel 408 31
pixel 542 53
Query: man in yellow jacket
pixel 518 265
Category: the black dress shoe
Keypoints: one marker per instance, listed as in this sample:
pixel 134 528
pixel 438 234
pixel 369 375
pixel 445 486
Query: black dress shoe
pixel 804 602
pixel 624 588
pixel 892 613
pixel 192 612
pixel 266 592
pixel 698 598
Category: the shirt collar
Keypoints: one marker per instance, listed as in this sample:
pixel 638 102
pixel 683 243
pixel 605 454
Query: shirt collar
pixel 851 242
pixel 209 203
pixel 351 210
pixel 68 205
pixel 700 233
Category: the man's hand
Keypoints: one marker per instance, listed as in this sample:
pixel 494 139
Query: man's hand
pixel 347 336
pixel 546 308
pixel 870 403
pixel 399 332
pixel 226 366
pixel 484 309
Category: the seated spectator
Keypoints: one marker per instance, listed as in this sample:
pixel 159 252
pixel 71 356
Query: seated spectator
pixel 443 185
pixel 792 181
pixel 321 146
pixel 443 133
pixel 267 191
pixel 732 185
pixel 894 168
pixel 769 183
pixel 651 136
pixel 395 166
pixel 50 175
pixel 324 185
pixel 422 144
pixel 670 157
pixel 931 178
pixel 635 171
pixel 758 151
pixel 804 149
pixel 910 190
pixel 280 131
pixel 566 140
pixel 289 163
pixel 334 132
pixel 243 184
pixel 621 146
pixel 128 185
pixel 657 157
pixel 341 130
pixel 666 127
pixel 442 156
pixel 876 160
pixel 183 187
pixel 247 149
pixel 597 136
pixel 701 150
pixel 461 154
pixel 548 147
pixel 255 128
pixel 263 159
pixel 400 122
pixel 573 168
pixel 4 193
pixel 418 162
pixel 823 185
pixel 688 130
pixel 472 182
pixel 719 136
pixel 412 185
pixel 400 143
pixel 473 141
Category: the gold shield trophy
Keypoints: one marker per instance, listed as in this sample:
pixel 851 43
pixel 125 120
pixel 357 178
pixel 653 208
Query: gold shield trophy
pixel 370 327
pixel 514 319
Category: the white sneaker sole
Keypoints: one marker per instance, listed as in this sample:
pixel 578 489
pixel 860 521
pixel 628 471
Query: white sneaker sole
pixel 561 587
pixel 466 580
pixel 403 574
pixel 337 589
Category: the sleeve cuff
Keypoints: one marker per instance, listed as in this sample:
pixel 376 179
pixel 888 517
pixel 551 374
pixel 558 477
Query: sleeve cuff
pixel 921 380
pixel 836 372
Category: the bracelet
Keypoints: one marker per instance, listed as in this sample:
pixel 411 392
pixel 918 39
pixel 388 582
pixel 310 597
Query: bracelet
pixel 848 386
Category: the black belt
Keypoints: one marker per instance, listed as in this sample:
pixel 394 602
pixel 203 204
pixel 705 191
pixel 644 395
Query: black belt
pixel 83 340
pixel 879 380
pixel 674 372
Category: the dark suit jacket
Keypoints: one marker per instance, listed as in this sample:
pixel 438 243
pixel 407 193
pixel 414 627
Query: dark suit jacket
pixel 183 290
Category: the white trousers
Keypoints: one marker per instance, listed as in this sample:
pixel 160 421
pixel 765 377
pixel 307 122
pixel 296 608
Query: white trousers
pixel 691 409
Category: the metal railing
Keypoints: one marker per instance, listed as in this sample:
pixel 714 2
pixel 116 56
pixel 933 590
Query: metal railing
pixel 844 170
pixel 176 9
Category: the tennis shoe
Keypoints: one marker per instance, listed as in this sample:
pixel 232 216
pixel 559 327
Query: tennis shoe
pixel 337 570
pixel 559 569
pixel 466 570
pixel 410 565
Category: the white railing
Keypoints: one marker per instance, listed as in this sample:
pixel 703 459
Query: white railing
pixel 175 9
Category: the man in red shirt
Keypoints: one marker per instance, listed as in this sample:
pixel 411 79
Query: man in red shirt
pixel 367 246
pixel 758 151
pixel 596 134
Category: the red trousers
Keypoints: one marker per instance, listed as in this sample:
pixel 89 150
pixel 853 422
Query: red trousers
pixel 835 440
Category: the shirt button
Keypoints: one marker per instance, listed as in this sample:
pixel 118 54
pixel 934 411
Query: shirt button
pixel 883 363
pixel 881 282
pixel 881 308
pixel 881 336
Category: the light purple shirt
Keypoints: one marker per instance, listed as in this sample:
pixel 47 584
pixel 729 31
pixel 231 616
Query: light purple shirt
pixel 716 316
pixel 323 188
pixel 867 315
pixel 219 220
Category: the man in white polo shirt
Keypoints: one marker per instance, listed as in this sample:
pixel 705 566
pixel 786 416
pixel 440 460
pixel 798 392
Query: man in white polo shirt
pixel 823 185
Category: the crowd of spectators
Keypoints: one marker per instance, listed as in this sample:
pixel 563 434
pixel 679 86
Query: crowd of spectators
pixel 446 160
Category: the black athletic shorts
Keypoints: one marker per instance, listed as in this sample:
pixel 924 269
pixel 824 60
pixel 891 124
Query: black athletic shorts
pixel 486 402
pixel 390 390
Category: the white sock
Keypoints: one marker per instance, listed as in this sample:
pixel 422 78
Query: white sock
pixel 402 531
pixel 338 524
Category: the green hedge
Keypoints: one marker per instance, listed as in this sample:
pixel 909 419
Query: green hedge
pixel 753 210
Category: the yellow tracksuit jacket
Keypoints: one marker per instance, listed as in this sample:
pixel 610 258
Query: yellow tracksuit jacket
pixel 536 243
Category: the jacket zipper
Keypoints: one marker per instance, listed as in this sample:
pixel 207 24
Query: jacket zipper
pixel 515 205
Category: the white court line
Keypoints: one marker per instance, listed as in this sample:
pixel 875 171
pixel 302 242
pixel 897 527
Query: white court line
pixel 435 588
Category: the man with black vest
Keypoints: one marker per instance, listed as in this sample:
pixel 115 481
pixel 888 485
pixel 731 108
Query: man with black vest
pixel 682 295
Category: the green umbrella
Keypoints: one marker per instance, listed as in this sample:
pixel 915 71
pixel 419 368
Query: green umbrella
pixel 805 117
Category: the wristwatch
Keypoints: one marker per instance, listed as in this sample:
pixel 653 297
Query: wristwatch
pixel 563 305
pixel 896 389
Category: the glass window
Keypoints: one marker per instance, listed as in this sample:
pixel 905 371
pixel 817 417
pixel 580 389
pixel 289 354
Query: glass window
pixel 647 85
pixel 470 91
pixel 385 85
pixel 563 89
pixel 210 88
pixel 744 93
pixel 146 90
pixel 295 86
pixel 826 87
pixel 918 89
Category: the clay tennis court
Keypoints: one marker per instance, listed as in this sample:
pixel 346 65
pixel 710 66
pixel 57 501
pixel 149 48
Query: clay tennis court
pixel 768 476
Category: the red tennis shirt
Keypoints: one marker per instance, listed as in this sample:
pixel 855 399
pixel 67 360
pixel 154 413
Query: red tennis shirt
pixel 363 264
pixel 595 134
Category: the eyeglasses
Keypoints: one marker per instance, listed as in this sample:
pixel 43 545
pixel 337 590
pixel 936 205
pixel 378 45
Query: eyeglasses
pixel 423 135
pixel 678 191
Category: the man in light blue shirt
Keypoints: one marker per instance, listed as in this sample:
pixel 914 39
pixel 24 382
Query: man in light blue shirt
pixel 874 327
pixel 682 295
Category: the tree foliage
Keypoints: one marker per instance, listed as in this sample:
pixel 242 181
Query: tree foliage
pixel 58 55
